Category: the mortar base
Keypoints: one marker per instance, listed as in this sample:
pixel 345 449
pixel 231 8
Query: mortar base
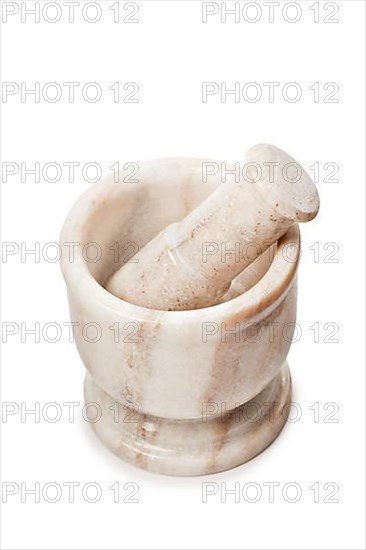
pixel 216 442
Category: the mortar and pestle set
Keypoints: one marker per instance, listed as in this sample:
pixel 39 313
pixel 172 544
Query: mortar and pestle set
pixel 189 368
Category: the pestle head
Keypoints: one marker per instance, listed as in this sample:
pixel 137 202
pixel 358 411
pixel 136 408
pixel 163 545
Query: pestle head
pixel 284 183
pixel 170 272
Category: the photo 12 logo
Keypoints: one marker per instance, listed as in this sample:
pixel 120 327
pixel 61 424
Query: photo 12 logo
pixel 68 492
pixel 269 92
pixel 69 92
pixel 270 492
pixel 270 12
pixel 70 12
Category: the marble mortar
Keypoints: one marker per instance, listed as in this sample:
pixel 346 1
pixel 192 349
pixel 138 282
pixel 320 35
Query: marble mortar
pixel 180 392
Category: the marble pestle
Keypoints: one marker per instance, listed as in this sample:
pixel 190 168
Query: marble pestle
pixel 192 263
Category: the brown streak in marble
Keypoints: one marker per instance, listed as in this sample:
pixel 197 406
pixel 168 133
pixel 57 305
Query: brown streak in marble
pixel 139 357
pixel 222 426
pixel 145 436
pixel 251 439
pixel 221 368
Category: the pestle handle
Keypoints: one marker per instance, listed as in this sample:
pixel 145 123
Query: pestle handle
pixel 191 264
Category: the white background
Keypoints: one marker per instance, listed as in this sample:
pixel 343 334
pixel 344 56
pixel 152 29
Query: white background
pixel 169 53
